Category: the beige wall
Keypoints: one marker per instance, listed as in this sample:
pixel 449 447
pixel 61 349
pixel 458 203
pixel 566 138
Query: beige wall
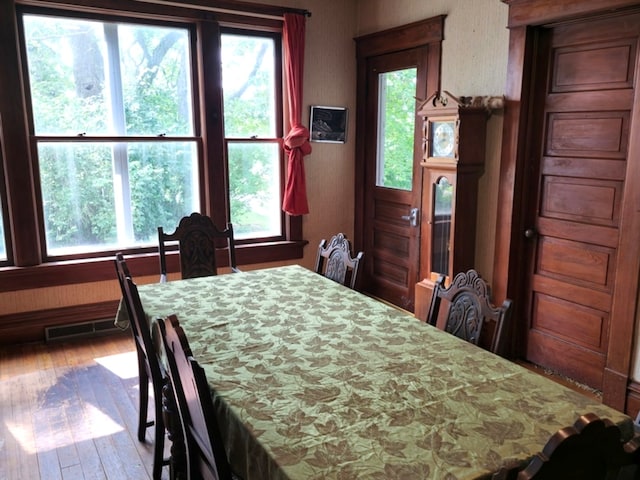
pixel 474 63
pixel 329 80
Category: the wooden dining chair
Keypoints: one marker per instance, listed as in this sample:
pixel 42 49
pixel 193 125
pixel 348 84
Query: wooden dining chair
pixel 205 454
pixel 335 262
pixel 591 449
pixel 469 313
pixel 198 241
pixel 149 367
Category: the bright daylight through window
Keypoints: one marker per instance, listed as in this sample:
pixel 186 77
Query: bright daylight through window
pixel 104 96
pixel 251 131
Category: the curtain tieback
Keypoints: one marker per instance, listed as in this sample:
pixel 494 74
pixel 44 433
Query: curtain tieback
pixel 298 137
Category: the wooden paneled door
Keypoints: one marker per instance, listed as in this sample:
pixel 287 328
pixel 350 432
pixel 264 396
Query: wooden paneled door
pixel 585 82
pixel 396 69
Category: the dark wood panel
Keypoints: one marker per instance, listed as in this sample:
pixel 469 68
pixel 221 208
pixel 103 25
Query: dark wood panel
pixel 611 101
pixel 401 38
pixel 575 323
pixel 618 24
pixel 604 169
pixel 523 13
pixel 587 297
pixel 581 200
pixel 390 270
pixel 29 326
pixel 606 66
pixel 390 241
pixel 576 362
pixel 587 264
pixel 596 134
pixel 593 234
pixel 390 212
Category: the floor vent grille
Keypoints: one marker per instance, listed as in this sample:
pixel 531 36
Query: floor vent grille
pixel 83 329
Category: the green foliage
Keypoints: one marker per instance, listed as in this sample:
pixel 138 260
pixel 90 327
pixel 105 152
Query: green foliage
pixel 77 194
pixel 399 124
pixel 84 184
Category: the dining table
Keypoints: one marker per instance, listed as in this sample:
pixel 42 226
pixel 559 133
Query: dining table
pixel 313 380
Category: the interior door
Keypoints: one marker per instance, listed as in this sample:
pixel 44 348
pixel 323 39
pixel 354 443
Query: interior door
pixel 393 176
pixel 585 103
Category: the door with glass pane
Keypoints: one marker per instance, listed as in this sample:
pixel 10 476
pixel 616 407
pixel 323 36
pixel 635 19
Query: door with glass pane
pixel 393 176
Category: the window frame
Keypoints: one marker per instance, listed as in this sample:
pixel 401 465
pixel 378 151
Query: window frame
pixel 279 95
pixel 24 223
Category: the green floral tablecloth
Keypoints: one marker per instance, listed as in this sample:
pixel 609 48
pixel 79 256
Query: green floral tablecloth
pixel 318 381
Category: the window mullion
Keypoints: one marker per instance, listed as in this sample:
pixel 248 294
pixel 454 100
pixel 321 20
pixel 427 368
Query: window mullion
pixel 121 185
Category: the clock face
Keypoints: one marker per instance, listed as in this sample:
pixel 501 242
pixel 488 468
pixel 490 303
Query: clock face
pixel 443 135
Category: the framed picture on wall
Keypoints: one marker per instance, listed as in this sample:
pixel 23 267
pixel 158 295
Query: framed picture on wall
pixel 328 124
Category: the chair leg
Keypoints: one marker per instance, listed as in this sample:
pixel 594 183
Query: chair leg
pixel 158 447
pixel 144 402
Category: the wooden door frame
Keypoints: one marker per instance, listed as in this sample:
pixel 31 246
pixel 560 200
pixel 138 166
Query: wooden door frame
pixel 425 32
pixel 510 247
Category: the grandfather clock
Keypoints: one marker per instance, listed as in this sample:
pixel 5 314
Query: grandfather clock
pixel 454 140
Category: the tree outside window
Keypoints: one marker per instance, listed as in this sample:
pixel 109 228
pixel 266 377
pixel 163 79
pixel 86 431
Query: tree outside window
pixel 114 132
pixel 105 98
pixel 251 131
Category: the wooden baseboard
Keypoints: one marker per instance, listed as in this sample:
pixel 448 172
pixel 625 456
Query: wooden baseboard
pixel 633 399
pixel 30 326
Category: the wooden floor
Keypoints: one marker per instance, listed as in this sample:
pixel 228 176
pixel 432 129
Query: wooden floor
pixel 68 410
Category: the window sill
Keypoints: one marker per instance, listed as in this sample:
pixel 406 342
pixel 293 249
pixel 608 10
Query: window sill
pixel 53 274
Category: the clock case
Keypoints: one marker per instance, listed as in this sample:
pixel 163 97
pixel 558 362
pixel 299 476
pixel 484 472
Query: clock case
pixel 448 244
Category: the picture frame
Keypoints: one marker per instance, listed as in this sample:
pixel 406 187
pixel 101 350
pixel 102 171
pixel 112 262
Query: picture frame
pixel 328 124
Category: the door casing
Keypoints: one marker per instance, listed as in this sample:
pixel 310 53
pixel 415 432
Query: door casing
pixel 510 247
pixel 423 34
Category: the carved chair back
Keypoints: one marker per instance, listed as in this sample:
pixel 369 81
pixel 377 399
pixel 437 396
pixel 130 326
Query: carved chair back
pixel 469 313
pixel 198 240
pixel 590 449
pixel 206 457
pixel 335 262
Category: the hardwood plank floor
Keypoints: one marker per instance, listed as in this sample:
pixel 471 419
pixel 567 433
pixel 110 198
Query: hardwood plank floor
pixel 68 410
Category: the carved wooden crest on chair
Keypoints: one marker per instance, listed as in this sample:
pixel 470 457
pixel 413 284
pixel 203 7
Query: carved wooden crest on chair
pixel 335 262
pixel 197 237
pixel 470 315
pixel 590 449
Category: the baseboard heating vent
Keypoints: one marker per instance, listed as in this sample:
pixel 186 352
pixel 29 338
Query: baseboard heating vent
pixel 82 329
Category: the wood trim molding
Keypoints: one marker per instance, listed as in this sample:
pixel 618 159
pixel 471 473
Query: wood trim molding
pixel 74 272
pixel 633 399
pixel 405 37
pixel 29 326
pixel 539 12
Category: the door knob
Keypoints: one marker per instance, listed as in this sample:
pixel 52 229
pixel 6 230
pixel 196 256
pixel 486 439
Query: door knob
pixel 412 217
pixel 530 233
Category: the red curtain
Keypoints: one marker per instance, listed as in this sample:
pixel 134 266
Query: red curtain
pixel 296 143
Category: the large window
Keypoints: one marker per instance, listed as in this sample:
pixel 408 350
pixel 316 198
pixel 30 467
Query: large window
pixel 126 136
pixel 252 127
pixel 113 125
